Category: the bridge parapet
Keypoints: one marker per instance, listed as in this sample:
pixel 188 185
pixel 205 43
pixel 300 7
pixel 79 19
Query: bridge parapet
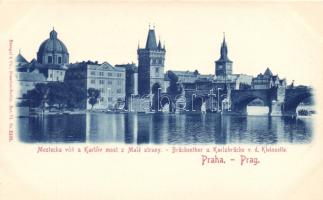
pixel 294 96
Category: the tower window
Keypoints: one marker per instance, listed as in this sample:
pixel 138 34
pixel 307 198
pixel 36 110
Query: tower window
pixel 50 59
pixel 59 60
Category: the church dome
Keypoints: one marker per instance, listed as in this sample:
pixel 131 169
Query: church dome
pixel 52 50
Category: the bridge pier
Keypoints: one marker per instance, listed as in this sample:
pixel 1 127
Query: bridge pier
pixel 276 109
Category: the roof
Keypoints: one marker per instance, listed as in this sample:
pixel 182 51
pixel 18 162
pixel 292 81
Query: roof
pixel 208 76
pixel 203 80
pixel 36 65
pixel 268 72
pixel 83 64
pixel 224 52
pixel 130 67
pixel 95 66
pixel 31 76
pixel 106 66
pixel 184 73
pixel 151 40
pixel 52 44
pixel 21 59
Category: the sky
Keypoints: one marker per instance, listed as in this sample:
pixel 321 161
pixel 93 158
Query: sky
pixel 283 37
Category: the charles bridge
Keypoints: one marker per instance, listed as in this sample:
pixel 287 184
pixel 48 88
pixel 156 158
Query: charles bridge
pixel 281 101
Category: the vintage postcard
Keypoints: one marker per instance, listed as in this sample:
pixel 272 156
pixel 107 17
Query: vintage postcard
pixel 161 100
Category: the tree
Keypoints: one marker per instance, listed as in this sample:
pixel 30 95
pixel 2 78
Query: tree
pixel 37 97
pixel 174 86
pixel 93 95
pixel 65 95
pixel 58 94
pixel 76 95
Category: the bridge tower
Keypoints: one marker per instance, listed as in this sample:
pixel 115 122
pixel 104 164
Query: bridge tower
pixel 223 66
pixel 151 65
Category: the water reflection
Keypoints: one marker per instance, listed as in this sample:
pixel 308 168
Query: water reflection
pixel 131 128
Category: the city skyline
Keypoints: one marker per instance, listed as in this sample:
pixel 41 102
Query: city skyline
pixel 184 51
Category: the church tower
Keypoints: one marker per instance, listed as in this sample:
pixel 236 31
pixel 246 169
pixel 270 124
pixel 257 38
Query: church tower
pixel 223 66
pixel 151 65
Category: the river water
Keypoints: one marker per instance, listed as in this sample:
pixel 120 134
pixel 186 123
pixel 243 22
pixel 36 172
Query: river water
pixel 160 128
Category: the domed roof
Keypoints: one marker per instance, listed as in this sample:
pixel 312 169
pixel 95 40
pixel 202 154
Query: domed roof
pixel 53 44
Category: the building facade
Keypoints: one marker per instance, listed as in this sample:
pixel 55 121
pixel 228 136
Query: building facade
pixel 109 80
pixel 27 81
pixel 131 78
pixel 267 81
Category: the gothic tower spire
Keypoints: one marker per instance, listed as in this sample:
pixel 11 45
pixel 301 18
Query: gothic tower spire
pixel 223 66
pixel 159 45
pixel 224 49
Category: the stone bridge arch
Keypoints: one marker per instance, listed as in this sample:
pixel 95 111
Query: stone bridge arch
pixel 241 98
pixel 173 101
pixel 166 100
pixel 294 97
pixel 195 100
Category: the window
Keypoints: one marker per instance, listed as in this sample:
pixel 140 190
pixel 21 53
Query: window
pixel 93 73
pixel 101 82
pixel 119 75
pixel 101 73
pixel 109 74
pixel 61 73
pixel 110 82
pixel 93 81
pixel 51 75
pixel 109 98
pixel 59 60
pixel 118 91
pixel 157 71
pixel 50 59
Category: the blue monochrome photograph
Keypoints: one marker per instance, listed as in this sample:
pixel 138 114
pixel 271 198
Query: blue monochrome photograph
pixel 148 102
